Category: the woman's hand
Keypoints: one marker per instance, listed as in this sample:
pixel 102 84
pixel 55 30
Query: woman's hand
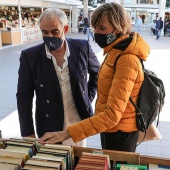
pixel 54 137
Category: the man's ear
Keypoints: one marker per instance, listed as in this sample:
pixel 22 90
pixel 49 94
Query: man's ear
pixel 66 29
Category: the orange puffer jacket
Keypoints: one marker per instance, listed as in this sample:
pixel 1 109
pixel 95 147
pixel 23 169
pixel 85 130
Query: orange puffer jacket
pixel 113 109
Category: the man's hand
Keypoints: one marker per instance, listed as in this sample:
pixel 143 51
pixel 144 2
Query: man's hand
pixel 54 137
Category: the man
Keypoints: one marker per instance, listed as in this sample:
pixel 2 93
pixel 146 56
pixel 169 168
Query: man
pixel 153 27
pixel 56 71
pixel 139 25
pixel 159 26
pixel 87 29
pixel 86 24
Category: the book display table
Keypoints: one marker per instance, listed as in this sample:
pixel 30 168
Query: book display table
pixel 29 154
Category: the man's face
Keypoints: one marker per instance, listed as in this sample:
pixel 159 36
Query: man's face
pixel 53 28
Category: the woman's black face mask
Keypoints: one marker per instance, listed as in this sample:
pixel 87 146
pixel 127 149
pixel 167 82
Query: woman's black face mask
pixel 103 40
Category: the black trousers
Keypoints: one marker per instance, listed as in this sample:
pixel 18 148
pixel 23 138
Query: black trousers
pixel 120 141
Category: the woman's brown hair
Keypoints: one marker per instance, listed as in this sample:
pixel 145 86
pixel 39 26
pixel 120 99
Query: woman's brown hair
pixel 116 15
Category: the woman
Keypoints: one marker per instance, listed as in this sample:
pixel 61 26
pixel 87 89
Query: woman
pixel 114 114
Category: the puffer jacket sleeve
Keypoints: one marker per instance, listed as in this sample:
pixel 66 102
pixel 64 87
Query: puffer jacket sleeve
pixel 120 85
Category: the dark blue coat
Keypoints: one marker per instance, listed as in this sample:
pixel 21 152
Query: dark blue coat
pixel 37 75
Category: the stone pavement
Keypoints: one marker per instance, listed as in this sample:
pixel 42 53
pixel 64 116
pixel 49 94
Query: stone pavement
pixel 157 61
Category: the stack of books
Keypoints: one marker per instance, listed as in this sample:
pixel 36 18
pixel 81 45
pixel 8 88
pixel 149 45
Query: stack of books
pixel 16 152
pixel 52 156
pixel 28 154
pixel 12 160
pixel 91 161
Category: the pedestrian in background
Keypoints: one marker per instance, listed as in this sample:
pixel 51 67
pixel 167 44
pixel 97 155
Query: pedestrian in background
pixel 139 25
pixel 153 27
pixel 86 24
pixel 159 26
pixel 166 27
pixel 87 29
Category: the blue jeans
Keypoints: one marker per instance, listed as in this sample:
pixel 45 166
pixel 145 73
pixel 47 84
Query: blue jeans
pixel 158 33
pixel 139 30
pixel 89 32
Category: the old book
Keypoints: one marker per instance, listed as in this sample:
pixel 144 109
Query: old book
pixel 34 167
pixel 99 157
pixel 16 154
pixel 90 167
pixel 12 160
pixel 70 153
pixel 43 163
pixel 28 151
pixel 30 139
pixel 2 143
pixel 92 161
pixel 55 154
pixel 158 167
pixel 7 166
pixel 26 142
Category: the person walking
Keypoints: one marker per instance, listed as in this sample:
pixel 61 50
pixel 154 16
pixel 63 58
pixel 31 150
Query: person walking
pixel 166 27
pixel 153 27
pixel 87 29
pixel 139 25
pixel 86 25
pixel 57 72
pixel 159 26
pixel 115 116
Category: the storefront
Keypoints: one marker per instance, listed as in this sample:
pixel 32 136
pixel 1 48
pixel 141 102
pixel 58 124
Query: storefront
pixel 22 16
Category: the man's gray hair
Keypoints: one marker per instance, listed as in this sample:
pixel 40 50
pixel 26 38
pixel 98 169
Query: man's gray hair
pixel 52 13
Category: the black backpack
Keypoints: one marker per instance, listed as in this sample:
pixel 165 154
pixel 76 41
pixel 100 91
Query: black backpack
pixel 150 100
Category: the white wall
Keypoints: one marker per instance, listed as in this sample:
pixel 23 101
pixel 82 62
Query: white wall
pixel 29 3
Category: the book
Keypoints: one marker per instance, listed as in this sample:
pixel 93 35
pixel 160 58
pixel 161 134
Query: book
pixel 129 166
pixel 34 167
pixel 2 143
pixel 57 150
pixel 28 151
pixel 7 166
pixel 60 155
pixel 43 163
pixel 158 167
pixel 98 157
pixel 93 161
pixel 16 154
pixel 12 160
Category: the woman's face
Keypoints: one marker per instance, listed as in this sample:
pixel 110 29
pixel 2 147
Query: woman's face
pixel 105 28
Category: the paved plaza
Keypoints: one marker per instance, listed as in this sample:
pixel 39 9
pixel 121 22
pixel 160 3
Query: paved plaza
pixel 157 61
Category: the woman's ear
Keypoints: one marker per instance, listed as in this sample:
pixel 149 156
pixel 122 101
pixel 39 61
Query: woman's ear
pixel 66 29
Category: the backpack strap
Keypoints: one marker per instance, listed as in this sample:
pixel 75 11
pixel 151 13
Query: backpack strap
pixel 139 115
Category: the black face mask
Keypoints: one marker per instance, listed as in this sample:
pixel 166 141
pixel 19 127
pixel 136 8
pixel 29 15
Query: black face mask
pixel 103 40
pixel 53 43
